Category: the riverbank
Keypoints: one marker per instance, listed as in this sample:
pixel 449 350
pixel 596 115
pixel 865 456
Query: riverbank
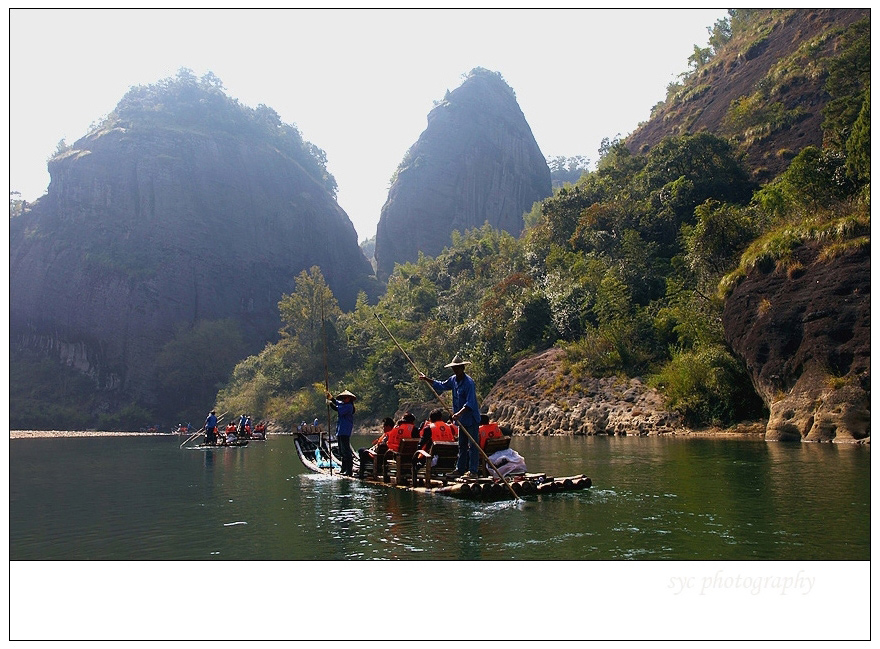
pixel 34 434
pixel 744 431
pixel 27 434
pixel 749 430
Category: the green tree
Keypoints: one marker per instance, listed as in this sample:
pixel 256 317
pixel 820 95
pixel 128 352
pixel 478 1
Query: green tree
pixel 193 366
pixel 307 311
pixel 717 238
pixel 815 179
pixel 567 170
pixel 700 57
pixel 720 34
pixel 858 146
pixel 849 77
pixel 708 385
pixel 16 204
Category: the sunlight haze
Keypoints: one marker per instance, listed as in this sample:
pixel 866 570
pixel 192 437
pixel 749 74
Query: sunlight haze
pixel 357 83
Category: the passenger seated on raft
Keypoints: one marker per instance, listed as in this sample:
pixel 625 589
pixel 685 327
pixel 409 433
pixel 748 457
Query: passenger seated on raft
pixel 405 429
pixel 434 430
pixel 488 430
pixel 377 450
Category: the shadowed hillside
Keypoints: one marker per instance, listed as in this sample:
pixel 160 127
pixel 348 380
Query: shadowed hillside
pixel 181 220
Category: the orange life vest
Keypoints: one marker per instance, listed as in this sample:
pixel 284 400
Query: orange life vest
pixel 442 432
pixel 399 432
pixel 489 431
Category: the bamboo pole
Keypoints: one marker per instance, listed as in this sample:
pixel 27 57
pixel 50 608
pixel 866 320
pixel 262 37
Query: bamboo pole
pixel 443 403
pixel 199 431
pixel 327 388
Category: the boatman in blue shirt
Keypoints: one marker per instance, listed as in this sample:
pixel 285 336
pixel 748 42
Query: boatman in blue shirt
pixel 211 428
pixel 466 411
pixel 343 404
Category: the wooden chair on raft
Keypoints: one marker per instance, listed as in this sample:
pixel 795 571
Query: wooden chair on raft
pixel 400 461
pixel 493 446
pixel 447 457
pixel 371 462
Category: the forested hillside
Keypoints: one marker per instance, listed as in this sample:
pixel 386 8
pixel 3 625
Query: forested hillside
pixel 628 269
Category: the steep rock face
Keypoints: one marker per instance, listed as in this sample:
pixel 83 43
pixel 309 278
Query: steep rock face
pixel 146 228
pixel 806 342
pixel 477 161
pixel 536 397
pixel 794 42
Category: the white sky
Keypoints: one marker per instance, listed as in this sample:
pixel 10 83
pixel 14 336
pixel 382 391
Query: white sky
pixel 358 83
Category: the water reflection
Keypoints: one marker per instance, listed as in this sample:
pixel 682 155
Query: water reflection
pixel 652 499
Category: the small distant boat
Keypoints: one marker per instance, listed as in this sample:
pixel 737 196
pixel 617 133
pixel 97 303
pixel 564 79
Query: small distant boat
pixel 322 457
pixel 236 444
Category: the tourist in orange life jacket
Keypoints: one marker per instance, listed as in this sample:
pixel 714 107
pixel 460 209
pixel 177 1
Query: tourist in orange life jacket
pixel 376 452
pixel 404 429
pixel 488 430
pixel 434 430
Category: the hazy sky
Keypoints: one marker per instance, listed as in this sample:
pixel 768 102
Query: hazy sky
pixel 358 83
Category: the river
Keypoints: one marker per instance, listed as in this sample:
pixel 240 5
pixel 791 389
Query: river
pixel 144 499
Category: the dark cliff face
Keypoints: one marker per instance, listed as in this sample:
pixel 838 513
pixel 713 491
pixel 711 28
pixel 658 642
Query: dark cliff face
pixel 148 228
pixel 805 338
pixel 476 162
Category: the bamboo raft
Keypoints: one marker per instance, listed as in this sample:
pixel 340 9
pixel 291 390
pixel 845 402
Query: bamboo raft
pixel 236 444
pixel 485 489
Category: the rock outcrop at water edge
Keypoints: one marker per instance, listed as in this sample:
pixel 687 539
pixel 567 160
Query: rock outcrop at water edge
pixel 804 333
pixel 537 397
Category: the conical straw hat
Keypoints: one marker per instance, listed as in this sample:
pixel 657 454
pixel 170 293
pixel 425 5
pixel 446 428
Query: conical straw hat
pixel 457 360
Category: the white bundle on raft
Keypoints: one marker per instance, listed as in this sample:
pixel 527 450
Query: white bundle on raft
pixel 507 461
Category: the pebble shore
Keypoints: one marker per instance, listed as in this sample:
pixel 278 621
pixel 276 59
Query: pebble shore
pixel 27 434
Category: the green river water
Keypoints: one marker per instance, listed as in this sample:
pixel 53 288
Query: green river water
pixel 654 501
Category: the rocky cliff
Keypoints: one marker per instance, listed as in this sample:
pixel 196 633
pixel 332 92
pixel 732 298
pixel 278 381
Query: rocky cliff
pixel 538 397
pixel 182 207
pixel 476 162
pixel 765 90
pixel 804 333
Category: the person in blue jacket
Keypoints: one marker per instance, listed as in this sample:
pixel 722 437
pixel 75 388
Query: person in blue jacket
pixel 211 428
pixel 343 404
pixel 466 412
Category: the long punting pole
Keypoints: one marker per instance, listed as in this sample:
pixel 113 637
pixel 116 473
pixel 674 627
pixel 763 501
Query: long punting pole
pixel 443 403
pixel 327 388
pixel 199 431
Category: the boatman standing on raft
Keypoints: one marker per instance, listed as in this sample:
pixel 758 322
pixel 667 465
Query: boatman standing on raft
pixel 343 404
pixel 466 413
pixel 211 428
